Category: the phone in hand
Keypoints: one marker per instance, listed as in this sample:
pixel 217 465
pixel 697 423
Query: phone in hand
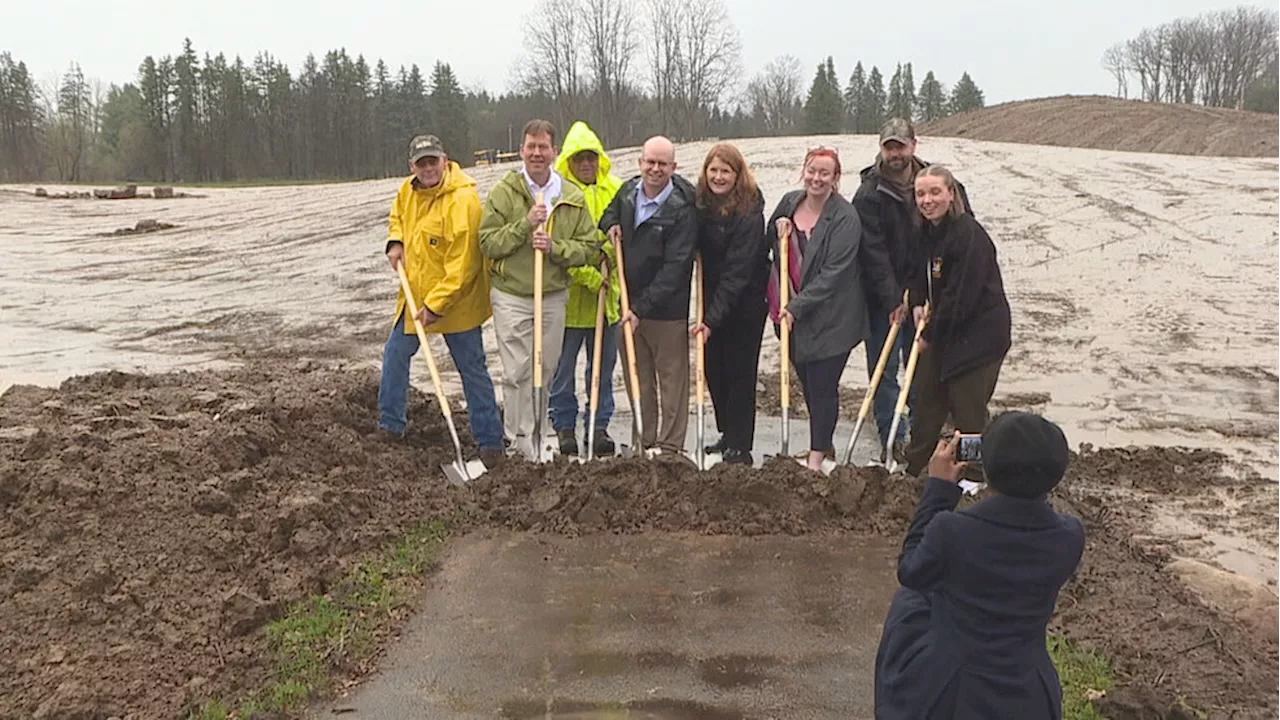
pixel 970 449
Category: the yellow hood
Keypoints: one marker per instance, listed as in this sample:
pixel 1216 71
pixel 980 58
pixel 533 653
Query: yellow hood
pixel 580 138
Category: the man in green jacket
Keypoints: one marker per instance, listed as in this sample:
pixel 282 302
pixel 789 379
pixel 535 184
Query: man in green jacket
pixel 514 225
pixel 584 163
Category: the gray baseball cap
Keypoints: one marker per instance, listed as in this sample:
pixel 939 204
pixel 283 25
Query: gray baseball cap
pixel 425 146
pixel 899 130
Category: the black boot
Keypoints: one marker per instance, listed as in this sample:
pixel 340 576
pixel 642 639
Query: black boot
pixel 568 442
pixel 717 448
pixel 739 457
pixel 603 444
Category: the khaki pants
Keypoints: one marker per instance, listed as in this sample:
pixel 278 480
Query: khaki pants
pixel 513 325
pixel 662 362
pixel 964 399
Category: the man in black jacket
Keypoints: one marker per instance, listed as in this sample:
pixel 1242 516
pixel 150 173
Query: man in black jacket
pixel 886 205
pixel 655 216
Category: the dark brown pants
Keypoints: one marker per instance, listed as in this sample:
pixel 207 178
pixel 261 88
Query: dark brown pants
pixel 662 362
pixel 964 399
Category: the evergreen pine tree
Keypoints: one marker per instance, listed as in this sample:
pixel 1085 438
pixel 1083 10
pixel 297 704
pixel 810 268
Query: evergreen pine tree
pixel 965 95
pixel 932 99
pixel 853 96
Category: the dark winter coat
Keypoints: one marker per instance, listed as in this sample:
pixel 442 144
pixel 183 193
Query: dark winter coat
pixel 888 228
pixel 658 255
pixel 957 271
pixel 965 635
pixel 735 263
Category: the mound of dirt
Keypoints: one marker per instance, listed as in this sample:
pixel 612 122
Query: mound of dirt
pixel 1107 123
pixel 632 495
pixel 1167 647
pixel 152 525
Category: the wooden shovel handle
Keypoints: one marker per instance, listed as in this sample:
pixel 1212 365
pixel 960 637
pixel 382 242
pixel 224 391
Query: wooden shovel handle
pixel 784 297
pixel 537 310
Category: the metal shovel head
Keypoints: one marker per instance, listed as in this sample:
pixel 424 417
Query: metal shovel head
pixel 462 474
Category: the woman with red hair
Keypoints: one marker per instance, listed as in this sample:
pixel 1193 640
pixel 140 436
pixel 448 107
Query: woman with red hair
pixel 826 311
pixel 735 272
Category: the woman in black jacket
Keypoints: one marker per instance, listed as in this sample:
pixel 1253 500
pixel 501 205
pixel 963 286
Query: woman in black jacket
pixel 735 273
pixel 966 333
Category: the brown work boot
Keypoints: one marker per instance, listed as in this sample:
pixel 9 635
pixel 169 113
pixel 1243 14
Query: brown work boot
pixel 493 458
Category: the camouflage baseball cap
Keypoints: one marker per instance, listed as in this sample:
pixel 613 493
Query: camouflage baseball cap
pixel 899 130
pixel 424 146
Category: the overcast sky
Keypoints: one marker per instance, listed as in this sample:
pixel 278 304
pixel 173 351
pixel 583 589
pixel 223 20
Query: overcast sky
pixel 1011 48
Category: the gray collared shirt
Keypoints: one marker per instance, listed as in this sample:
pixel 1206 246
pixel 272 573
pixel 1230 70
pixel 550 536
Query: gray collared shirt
pixel 646 207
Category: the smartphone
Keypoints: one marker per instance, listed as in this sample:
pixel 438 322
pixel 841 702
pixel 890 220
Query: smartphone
pixel 970 449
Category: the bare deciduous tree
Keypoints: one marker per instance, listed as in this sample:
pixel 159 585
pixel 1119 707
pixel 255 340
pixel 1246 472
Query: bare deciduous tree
pixel 611 47
pixel 1211 59
pixel 1116 61
pixel 775 94
pixel 552 64
pixel 695 59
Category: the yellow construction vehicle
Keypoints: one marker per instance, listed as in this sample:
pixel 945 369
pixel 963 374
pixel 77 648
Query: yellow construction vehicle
pixel 486 157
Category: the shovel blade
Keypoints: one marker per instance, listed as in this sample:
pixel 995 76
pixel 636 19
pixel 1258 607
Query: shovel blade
pixel 461 474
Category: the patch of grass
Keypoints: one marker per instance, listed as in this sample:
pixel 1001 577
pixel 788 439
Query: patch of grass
pixel 1084 674
pixel 338 629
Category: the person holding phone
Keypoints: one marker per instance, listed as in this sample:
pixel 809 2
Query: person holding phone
pixel 965 634
pixel 966 331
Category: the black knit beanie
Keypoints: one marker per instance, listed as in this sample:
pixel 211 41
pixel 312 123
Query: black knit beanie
pixel 1023 455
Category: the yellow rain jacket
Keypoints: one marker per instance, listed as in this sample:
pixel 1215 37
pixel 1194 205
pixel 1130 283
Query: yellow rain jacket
pixel 440 230
pixel 586 280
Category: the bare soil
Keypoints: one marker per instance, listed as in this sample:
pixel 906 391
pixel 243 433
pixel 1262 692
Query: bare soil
pixel 1107 123
pixel 1166 647
pixel 153 525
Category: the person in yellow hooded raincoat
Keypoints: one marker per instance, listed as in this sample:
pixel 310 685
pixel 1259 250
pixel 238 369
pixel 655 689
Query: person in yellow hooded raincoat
pixel 584 163
pixel 434 230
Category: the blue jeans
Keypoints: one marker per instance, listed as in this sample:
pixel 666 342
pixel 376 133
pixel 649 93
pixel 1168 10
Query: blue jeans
pixel 564 399
pixel 887 393
pixel 467 350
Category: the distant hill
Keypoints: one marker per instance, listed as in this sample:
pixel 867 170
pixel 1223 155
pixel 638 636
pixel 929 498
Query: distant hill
pixel 1107 123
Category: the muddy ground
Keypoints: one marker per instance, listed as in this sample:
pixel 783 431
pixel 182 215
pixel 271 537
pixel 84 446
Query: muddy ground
pixel 153 525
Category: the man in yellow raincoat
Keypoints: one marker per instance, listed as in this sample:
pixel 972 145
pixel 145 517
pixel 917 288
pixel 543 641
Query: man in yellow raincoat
pixel 584 163
pixel 435 231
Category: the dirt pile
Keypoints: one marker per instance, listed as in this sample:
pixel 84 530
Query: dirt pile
pixel 142 227
pixel 630 495
pixel 152 525
pixel 1166 646
pixel 1107 123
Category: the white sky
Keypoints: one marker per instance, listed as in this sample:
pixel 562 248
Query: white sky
pixel 1011 48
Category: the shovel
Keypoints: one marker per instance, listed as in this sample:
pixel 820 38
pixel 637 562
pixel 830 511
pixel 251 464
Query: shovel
pixel 906 390
pixel 702 366
pixel 784 372
pixel 539 402
pixel 629 340
pixel 458 472
pixel 869 399
pixel 596 354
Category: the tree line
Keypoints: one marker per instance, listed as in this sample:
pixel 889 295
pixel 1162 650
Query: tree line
pixel 672 68
pixel 1226 58
pixel 861 106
